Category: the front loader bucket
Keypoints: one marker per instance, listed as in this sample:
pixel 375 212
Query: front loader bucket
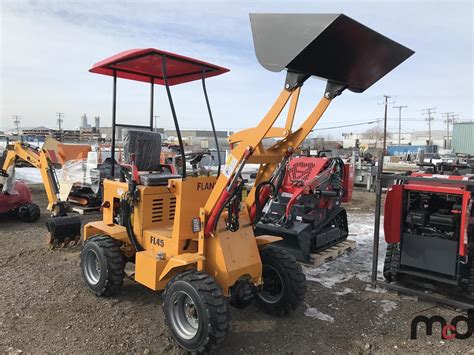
pixel 330 46
pixel 64 230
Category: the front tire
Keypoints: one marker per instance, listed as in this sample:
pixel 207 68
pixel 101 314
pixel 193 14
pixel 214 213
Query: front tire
pixel 102 265
pixel 196 311
pixel 284 283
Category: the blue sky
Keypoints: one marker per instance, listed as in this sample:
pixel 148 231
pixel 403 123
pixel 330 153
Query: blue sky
pixel 47 48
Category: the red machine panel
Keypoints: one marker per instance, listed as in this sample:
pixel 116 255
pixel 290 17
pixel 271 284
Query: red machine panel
pixel 348 182
pixel 393 211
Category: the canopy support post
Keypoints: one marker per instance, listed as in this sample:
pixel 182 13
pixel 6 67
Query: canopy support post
pixel 114 111
pixel 152 102
pixel 175 119
pixel 212 121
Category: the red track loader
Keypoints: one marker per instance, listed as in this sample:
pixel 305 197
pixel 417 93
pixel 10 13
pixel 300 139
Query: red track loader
pixel 304 206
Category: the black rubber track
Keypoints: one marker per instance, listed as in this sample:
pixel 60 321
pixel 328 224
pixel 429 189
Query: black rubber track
pixel 391 265
pixel 218 315
pixel 470 284
pixel 115 265
pixel 293 277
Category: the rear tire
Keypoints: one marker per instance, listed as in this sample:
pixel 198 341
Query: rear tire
pixel 196 311
pixel 391 267
pixel 284 283
pixel 29 213
pixel 102 265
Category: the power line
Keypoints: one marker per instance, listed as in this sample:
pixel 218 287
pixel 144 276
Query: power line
pixel 347 125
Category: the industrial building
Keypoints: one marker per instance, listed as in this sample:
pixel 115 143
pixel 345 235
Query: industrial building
pixel 463 138
pixel 374 139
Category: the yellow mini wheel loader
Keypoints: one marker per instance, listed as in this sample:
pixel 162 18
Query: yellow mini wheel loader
pixel 192 237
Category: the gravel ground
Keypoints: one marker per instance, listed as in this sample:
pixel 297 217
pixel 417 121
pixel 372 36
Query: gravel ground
pixel 46 308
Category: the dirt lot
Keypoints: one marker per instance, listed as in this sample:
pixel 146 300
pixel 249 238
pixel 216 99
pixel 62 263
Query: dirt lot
pixel 46 308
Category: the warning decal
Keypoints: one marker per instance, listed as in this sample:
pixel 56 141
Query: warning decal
pixel 230 165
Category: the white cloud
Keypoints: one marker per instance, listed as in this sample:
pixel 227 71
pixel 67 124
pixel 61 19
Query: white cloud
pixel 47 48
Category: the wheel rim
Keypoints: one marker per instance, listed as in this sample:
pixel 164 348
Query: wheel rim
pixel 92 267
pixel 273 286
pixel 184 316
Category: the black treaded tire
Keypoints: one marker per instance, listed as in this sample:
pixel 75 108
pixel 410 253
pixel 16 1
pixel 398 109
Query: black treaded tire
pixel 209 311
pixel 106 253
pixel 284 283
pixel 391 267
pixel 29 212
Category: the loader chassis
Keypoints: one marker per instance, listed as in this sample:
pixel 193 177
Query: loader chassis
pixel 162 224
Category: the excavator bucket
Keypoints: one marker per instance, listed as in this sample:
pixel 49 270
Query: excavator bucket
pixel 330 46
pixel 63 231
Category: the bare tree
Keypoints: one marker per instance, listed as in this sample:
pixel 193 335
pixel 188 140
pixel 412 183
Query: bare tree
pixel 375 133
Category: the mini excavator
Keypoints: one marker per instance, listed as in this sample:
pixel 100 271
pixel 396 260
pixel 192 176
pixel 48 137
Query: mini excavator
pixel 63 230
pixel 192 237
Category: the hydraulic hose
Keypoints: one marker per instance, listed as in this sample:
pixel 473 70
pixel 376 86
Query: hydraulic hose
pixel 226 198
pixel 126 211
pixel 260 204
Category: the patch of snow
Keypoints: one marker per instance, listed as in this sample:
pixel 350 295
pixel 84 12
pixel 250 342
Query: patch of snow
pixel 388 306
pixel 314 313
pixel 376 290
pixel 357 263
pixel 346 291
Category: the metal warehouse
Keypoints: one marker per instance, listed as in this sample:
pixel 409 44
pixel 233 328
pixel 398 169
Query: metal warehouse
pixel 463 138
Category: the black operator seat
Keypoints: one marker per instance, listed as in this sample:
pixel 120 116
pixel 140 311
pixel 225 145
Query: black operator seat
pixel 146 146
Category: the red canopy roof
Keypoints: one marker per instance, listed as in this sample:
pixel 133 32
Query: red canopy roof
pixel 145 64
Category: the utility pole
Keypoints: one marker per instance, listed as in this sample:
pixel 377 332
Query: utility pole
pixel 16 121
pixel 385 103
pixel 378 195
pixel 60 116
pixel 400 121
pixel 155 117
pixel 429 111
pixel 450 119
pixel 447 120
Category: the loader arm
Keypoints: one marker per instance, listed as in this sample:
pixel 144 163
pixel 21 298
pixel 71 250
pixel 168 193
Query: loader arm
pixel 37 158
pixel 271 157
pixel 247 147
pixel 334 47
